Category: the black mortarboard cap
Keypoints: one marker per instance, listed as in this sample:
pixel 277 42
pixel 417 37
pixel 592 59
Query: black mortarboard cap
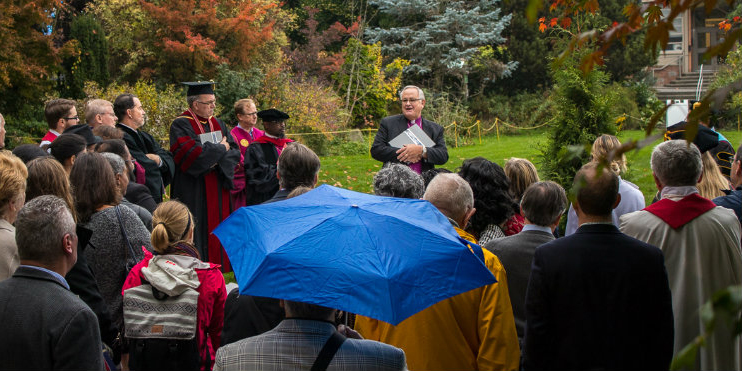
pixel 273 115
pixel 84 131
pixel 705 140
pixel 199 87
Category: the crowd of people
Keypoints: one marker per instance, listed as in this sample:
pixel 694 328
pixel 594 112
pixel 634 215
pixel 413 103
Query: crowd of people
pixel 98 271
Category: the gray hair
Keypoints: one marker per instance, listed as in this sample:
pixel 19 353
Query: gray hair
pixel 543 203
pixel 397 180
pixel 96 107
pixel 191 99
pixel 677 163
pixel 420 93
pixel 117 163
pixel 40 228
pixel 451 194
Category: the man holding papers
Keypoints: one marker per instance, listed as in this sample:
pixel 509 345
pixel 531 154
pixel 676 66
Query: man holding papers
pixel 205 157
pixel 408 138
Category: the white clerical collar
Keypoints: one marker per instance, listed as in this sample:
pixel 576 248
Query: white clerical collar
pixel 676 193
pixel 122 124
pixel 270 136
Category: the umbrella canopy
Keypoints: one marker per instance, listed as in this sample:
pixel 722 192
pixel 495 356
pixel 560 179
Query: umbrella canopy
pixel 381 257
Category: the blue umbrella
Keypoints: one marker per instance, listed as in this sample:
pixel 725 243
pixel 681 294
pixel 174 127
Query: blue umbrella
pixel 381 257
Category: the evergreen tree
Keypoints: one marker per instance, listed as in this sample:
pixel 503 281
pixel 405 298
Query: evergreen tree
pixel 91 60
pixel 583 115
pixel 438 37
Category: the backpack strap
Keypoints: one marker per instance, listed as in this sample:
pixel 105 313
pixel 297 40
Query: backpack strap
pixel 327 353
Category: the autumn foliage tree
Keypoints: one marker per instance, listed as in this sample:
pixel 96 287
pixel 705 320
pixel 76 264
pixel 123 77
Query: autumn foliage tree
pixel 29 55
pixel 195 36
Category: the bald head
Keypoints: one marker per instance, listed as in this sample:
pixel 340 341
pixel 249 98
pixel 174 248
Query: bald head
pixel 451 195
pixel 597 189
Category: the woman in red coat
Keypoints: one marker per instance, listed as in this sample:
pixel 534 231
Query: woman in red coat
pixel 172 268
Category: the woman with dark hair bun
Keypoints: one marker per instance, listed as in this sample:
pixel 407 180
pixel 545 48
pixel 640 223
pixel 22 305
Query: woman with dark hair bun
pixel 66 148
pixel 492 198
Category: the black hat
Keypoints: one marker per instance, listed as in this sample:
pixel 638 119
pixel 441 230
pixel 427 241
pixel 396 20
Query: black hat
pixel 273 115
pixel 705 140
pixel 84 131
pixel 199 87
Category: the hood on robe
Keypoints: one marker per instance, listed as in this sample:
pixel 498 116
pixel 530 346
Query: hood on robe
pixel 173 274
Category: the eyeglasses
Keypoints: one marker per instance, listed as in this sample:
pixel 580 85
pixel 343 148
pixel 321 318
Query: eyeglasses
pixel 405 101
pixel 209 103
pixel 76 118
pixel 251 113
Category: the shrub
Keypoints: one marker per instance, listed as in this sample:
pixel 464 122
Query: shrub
pixel 583 113
pixel 521 110
pixel 233 86
pixel 162 105
pixel 315 110
pixel 90 63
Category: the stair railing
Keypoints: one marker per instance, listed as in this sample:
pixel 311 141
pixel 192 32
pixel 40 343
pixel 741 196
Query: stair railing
pixel 700 84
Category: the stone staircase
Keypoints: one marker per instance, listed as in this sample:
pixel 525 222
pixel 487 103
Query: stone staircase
pixel 684 87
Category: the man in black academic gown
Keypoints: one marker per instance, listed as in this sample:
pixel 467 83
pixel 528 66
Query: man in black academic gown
pixel 205 157
pixel 157 162
pixel 261 157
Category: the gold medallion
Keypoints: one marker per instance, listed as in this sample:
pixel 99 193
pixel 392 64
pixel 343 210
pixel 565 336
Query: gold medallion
pixel 244 142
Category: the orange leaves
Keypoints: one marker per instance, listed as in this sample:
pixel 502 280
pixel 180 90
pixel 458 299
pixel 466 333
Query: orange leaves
pixel 566 22
pixel 553 22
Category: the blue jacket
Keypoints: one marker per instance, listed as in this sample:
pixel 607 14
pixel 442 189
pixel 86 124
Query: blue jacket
pixel 733 200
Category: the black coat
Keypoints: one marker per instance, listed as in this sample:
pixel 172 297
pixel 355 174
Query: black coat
pixel 261 182
pixel 45 326
pixel 157 177
pixel 598 300
pixel 392 126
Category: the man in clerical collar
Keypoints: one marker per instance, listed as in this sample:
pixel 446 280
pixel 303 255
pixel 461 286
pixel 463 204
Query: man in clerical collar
pixel 156 162
pixel 261 158
pixel 204 168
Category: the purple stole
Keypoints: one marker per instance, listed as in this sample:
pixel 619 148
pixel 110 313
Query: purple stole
pixel 416 166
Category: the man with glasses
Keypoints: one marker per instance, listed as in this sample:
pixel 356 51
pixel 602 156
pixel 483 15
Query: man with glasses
pixel 60 114
pixel 418 157
pixel 205 156
pixel 99 112
pixel 156 162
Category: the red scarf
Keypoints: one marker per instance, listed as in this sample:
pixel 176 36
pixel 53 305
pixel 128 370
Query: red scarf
pixel 679 213
pixel 278 142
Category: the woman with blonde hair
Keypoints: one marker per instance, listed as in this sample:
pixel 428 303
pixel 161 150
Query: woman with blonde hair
pixel 521 173
pixel 713 183
pixel 13 176
pixel 177 266
pixel 632 199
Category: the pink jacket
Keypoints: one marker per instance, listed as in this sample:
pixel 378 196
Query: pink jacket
pixel 211 297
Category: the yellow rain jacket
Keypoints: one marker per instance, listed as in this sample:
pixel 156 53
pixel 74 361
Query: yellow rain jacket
pixel 474 330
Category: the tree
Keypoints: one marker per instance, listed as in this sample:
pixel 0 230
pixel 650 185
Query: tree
pixel 312 58
pixel 193 37
pixel 365 85
pixel 29 57
pixel 583 115
pixel 438 37
pixel 90 63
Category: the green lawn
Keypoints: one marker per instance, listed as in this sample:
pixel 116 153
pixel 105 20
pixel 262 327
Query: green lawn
pixel 356 172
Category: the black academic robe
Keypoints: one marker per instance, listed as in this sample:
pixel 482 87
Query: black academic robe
pixel 261 182
pixel 202 180
pixel 156 177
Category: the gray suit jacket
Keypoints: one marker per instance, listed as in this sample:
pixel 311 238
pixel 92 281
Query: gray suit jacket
pixel 516 255
pixel 392 126
pixel 294 345
pixel 45 326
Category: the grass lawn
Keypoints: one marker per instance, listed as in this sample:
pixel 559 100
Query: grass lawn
pixel 357 172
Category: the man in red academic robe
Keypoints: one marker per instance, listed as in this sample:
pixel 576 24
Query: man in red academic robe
pixel 261 158
pixel 205 157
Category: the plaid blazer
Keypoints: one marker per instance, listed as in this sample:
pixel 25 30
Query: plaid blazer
pixel 294 345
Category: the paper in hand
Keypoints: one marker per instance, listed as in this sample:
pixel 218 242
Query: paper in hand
pixel 212 137
pixel 413 135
